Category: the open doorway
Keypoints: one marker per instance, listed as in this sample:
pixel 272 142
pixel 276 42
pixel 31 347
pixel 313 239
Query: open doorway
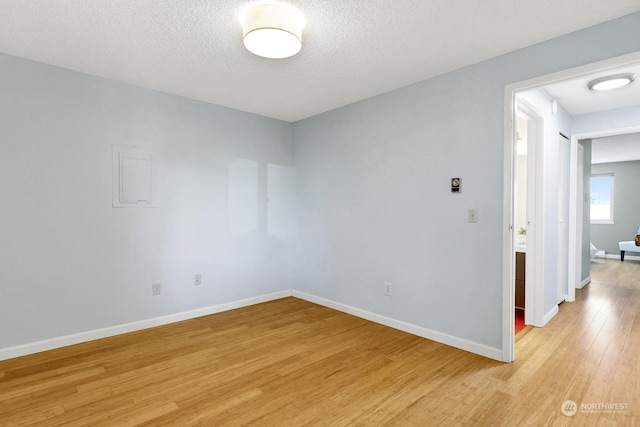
pixel 526 230
pixel 612 157
pixel 554 211
pixel 520 219
pixel 615 173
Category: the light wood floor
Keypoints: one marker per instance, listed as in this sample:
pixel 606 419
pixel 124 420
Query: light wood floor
pixel 290 363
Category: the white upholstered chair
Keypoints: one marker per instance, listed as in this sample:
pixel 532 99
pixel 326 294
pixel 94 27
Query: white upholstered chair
pixel 628 246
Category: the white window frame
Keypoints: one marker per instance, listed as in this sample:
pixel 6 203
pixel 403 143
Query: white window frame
pixel 603 221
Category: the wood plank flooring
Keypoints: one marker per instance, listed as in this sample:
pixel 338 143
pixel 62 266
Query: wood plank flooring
pixel 293 363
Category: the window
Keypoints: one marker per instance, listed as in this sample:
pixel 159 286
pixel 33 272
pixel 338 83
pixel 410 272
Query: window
pixel 602 199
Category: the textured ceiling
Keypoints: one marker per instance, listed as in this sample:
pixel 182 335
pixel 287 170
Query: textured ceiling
pixel 352 49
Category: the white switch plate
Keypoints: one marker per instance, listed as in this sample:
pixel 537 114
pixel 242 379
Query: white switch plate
pixel 387 288
pixel 473 215
pixel 155 289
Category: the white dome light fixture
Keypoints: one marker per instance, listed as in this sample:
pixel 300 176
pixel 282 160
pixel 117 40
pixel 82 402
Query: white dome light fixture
pixel 611 82
pixel 273 30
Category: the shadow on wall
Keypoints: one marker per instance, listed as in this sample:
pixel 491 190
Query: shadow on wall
pixel 260 204
pixel 260 199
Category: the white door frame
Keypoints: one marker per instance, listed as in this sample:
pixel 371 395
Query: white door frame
pixel 576 204
pixel 563 213
pixel 508 270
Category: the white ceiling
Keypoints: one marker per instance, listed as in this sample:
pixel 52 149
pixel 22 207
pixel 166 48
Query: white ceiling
pixel 351 49
pixel 575 96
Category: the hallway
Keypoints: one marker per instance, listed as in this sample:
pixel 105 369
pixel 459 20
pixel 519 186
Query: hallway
pixel 596 346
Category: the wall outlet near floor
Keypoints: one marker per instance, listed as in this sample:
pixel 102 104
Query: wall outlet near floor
pixel 387 288
pixel 155 289
pixel 197 279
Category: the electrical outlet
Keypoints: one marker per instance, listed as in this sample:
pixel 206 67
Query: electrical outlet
pixel 387 288
pixel 155 289
pixel 473 215
pixel 197 279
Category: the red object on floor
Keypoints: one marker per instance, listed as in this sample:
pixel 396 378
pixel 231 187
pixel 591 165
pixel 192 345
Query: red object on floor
pixel 519 320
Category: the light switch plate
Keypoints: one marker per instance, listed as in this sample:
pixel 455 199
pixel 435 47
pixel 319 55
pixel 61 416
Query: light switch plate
pixel 473 215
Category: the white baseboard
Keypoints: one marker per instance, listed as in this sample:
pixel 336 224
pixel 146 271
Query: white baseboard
pixel 50 344
pixel 550 315
pixel 584 283
pixel 463 344
pixel 626 257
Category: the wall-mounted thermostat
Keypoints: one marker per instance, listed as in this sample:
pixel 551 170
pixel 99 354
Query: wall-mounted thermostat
pixel 455 185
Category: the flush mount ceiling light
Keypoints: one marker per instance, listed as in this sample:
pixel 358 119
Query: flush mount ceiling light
pixel 611 82
pixel 273 30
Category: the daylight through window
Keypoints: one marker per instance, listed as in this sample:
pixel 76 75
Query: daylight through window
pixel 602 199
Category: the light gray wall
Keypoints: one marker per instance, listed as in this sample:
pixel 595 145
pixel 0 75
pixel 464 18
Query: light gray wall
pixel 626 209
pixel 605 120
pixel 373 199
pixel 69 262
